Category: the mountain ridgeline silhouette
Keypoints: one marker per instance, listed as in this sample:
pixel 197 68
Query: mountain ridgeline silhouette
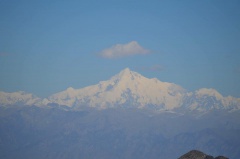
pixel 130 89
pixel 195 154
pixel 126 117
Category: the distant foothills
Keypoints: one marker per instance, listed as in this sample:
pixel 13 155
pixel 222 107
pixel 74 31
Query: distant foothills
pixel 129 89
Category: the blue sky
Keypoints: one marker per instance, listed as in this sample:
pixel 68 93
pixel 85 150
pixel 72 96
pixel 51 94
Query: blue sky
pixel 47 46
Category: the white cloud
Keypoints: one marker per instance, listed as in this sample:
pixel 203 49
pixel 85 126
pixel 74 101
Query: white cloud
pixel 121 50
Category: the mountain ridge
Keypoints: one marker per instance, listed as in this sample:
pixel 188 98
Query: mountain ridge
pixel 129 89
pixel 195 154
pixel 121 88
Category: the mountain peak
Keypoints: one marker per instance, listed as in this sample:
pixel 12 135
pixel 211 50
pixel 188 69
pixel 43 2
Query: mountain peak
pixel 200 155
pixel 127 75
pixel 70 88
pixel 129 88
pixel 125 71
pixel 18 97
pixel 209 92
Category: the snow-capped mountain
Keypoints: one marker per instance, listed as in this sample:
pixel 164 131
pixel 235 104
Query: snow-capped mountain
pixel 130 89
pixel 127 88
pixel 208 99
pixel 18 98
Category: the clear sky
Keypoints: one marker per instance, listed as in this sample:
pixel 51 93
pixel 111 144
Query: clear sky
pixel 49 45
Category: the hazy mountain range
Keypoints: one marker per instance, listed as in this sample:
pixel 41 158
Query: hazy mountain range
pixel 129 89
pixel 126 117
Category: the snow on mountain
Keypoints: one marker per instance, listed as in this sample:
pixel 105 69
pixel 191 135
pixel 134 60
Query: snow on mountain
pixel 208 92
pixel 126 88
pixel 18 98
pixel 130 89
pixel 206 99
